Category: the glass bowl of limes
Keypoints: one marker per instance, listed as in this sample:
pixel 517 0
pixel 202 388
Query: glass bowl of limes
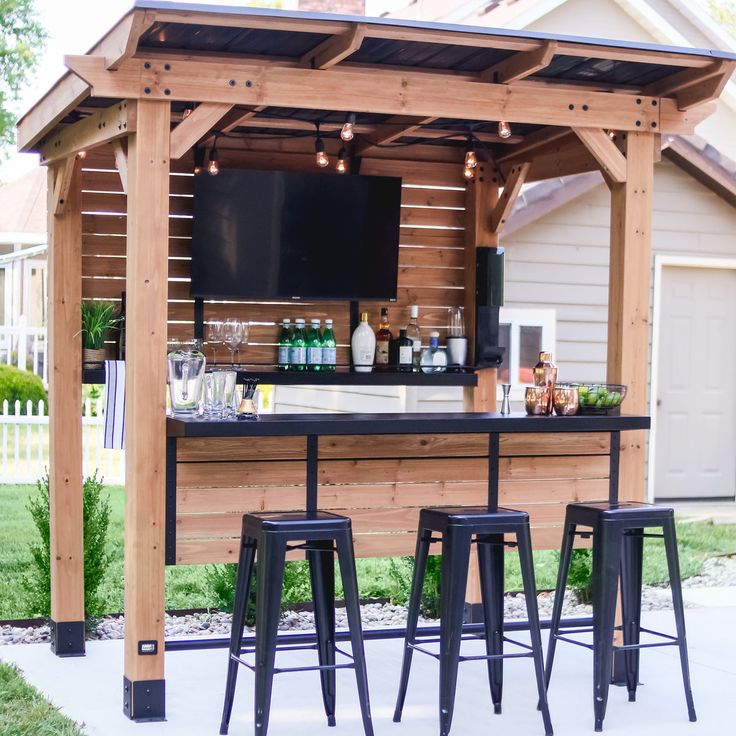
pixel 600 398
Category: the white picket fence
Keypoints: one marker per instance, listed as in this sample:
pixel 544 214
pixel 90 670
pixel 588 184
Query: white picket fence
pixel 25 347
pixel 24 440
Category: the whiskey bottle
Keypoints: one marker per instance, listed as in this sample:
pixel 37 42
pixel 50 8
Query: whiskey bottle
pixel 383 342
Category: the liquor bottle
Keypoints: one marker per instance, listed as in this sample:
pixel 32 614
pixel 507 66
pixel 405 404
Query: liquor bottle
pixel 434 359
pixel 545 374
pixel 314 347
pixel 404 350
pixel 383 342
pixel 415 335
pixel 363 346
pixel 329 348
pixel 284 345
pixel 121 329
pixel 298 348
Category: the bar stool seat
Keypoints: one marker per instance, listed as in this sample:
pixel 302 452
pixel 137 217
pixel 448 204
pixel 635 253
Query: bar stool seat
pixel 268 535
pixel 461 527
pixel 618 535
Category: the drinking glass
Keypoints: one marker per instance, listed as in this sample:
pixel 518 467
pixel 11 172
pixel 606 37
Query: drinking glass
pixel 214 394
pixel 456 322
pixel 214 337
pixel 232 335
pixel 228 398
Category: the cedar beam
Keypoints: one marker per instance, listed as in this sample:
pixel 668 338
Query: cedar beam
pixel 335 49
pixel 98 128
pixel 514 182
pixel 689 85
pixel 121 163
pixel 397 127
pixel 520 65
pixel 64 173
pixel 128 32
pixel 65 421
pixel 605 151
pixel 196 125
pixel 420 94
pixel 145 407
pixel 628 298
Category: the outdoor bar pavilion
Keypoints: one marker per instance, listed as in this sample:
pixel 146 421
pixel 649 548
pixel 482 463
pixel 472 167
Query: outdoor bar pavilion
pixel 119 134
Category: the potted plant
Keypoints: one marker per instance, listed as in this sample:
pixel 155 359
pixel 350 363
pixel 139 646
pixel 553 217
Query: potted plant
pixel 98 318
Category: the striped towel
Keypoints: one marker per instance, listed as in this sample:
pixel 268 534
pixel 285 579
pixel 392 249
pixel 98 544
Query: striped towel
pixel 114 404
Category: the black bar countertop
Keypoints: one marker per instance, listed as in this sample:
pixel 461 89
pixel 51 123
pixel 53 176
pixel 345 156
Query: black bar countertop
pixel 416 423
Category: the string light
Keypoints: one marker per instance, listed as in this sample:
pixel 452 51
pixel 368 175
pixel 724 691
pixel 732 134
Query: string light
pixel 612 134
pixel 471 160
pixel 82 154
pixel 198 159
pixel 188 110
pixel 342 165
pixel 347 133
pixel 504 129
pixel 319 151
pixel 213 168
pixel 468 172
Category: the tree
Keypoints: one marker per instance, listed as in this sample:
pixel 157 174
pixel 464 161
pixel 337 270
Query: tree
pixel 724 11
pixel 22 38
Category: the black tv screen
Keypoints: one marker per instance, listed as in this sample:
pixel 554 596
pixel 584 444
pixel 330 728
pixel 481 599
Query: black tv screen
pixel 287 235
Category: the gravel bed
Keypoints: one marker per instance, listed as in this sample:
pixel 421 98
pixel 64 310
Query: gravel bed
pixel 717 572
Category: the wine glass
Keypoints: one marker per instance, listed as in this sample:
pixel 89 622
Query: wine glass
pixel 232 335
pixel 214 337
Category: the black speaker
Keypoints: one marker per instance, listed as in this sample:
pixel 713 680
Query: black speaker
pixel 488 299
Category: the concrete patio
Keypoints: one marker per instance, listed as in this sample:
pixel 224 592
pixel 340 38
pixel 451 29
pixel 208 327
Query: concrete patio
pixel 88 690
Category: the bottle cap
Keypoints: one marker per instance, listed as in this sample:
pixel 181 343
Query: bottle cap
pixel 315 322
pixel 384 311
pixel 287 321
pixel 364 316
pixel 300 321
pixel 414 311
pixel 328 323
pixel 434 333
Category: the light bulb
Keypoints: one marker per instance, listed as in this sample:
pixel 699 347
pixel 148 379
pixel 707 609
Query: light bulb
pixel 612 134
pixel 322 159
pixel 471 160
pixel 197 170
pixel 187 112
pixel 82 154
pixel 504 129
pixel 468 172
pixel 212 168
pixel 347 131
pixel 198 160
pixel 342 165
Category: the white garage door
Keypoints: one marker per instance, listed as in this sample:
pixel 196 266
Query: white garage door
pixel 695 451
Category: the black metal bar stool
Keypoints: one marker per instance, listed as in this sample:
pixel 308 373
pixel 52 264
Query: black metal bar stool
pixel 618 540
pixel 460 528
pixel 320 534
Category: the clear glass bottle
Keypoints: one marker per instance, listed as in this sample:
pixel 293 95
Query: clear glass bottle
pixel 298 348
pixel 284 345
pixel 434 358
pixel 314 347
pixel 363 346
pixel 329 347
pixel 414 334
pixel 404 345
pixel 383 342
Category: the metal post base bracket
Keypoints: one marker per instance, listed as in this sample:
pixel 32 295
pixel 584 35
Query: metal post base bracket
pixel 144 700
pixel 67 638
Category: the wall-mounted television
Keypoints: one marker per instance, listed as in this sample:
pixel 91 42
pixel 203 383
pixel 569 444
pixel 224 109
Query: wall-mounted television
pixel 289 235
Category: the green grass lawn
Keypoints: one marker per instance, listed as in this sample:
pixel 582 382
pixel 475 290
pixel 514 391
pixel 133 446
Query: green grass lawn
pixel 187 586
pixel 25 712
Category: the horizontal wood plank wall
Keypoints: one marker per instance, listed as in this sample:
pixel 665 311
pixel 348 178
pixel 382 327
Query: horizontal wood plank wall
pixel 380 482
pixel 430 259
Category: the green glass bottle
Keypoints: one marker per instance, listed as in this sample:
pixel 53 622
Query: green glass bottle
pixel 329 348
pixel 314 347
pixel 298 348
pixel 284 345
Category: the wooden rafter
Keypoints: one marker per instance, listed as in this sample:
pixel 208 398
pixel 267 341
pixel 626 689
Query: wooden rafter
pixel 521 65
pixel 534 144
pixel 394 128
pixel 236 118
pixel 335 49
pixel 64 173
pixel 606 153
pixel 692 87
pixel 121 162
pixel 101 127
pixel 419 94
pixel 129 31
pixel 514 181
pixel 196 125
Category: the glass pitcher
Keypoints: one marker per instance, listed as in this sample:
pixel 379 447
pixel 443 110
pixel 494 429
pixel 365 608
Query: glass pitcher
pixel 186 370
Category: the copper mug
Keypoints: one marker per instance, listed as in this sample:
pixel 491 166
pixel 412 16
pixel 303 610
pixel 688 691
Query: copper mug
pixel 536 400
pixel 566 400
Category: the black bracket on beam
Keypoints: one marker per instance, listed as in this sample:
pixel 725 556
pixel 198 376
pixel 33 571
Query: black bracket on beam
pixel 67 638
pixel 144 700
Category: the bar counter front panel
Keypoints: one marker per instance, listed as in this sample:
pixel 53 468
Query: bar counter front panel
pixel 381 469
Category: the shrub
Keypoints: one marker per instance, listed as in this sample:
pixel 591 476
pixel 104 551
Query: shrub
pixel 580 577
pixel 95 523
pixel 401 571
pixel 20 385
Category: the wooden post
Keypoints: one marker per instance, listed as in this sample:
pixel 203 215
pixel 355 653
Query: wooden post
pixel 628 299
pixel 145 407
pixel 65 409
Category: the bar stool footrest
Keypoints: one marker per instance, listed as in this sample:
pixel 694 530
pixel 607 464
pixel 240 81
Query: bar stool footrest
pixel 306 668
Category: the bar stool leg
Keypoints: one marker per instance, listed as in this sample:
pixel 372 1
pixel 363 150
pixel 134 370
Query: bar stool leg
pixel 453 580
pixel 322 575
pixel 568 540
pixel 240 607
pixel 346 556
pixel 415 601
pixel 606 561
pixel 270 579
pixel 523 538
pixel 673 564
pixel 490 565
pixel 631 580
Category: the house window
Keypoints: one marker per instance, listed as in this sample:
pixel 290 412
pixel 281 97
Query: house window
pixel 524 333
pixel 3 287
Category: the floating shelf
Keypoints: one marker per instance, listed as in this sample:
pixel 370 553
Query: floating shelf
pixel 334 378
